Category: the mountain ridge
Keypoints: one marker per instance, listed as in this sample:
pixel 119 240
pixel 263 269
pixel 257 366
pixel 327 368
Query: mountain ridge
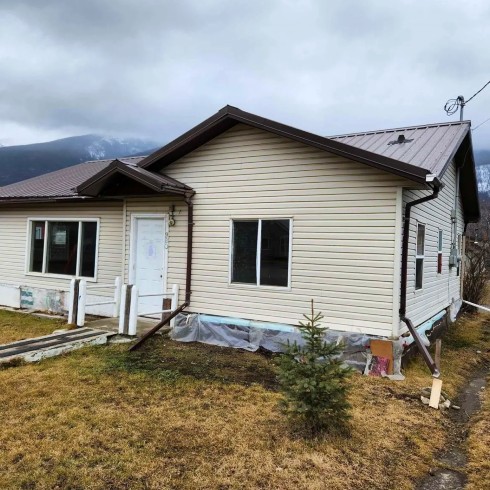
pixel 20 162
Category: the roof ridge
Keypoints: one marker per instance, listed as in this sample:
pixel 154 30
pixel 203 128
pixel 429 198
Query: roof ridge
pixel 402 128
pixel 112 159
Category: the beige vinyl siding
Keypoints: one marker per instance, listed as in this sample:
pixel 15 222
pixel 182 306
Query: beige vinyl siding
pixel 14 236
pixel 438 290
pixel 343 213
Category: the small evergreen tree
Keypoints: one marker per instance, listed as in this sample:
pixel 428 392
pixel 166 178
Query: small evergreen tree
pixel 314 381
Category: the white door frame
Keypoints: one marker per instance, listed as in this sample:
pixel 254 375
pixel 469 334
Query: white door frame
pixel 132 245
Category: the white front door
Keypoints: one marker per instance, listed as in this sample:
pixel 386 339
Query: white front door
pixel 149 262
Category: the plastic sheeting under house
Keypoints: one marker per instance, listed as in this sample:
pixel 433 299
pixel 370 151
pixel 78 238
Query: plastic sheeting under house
pixel 250 335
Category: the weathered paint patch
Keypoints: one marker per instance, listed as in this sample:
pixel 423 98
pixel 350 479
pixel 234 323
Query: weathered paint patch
pixel 26 298
pixel 42 299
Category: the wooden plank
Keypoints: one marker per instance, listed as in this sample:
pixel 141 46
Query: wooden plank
pixel 435 394
pixel 437 355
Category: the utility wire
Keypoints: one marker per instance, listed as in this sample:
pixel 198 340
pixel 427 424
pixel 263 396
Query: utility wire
pixel 481 124
pixel 474 95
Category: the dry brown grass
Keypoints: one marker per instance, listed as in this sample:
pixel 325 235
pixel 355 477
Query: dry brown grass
pixel 18 326
pixel 479 435
pixel 189 416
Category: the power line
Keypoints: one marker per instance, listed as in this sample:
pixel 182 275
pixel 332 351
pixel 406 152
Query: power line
pixel 474 95
pixel 481 124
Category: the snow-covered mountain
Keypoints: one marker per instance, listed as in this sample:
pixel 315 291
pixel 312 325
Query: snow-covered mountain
pixel 25 161
pixel 482 160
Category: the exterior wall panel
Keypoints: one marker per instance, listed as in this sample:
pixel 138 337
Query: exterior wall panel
pixel 344 216
pixel 14 236
pixel 438 290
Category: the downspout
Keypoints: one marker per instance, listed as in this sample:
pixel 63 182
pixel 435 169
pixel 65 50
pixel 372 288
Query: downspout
pixel 436 187
pixel 188 276
pixel 190 228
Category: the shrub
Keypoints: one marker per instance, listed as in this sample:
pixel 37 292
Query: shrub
pixel 314 381
pixel 475 271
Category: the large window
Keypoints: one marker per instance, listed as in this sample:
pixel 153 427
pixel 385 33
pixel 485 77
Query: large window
pixel 63 247
pixel 260 252
pixel 419 257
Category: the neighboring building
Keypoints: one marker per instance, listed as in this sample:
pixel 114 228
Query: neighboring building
pixel 280 216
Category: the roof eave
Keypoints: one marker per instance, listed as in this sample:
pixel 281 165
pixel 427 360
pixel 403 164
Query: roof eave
pixel 454 151
pixel 230 116
pixel 89 187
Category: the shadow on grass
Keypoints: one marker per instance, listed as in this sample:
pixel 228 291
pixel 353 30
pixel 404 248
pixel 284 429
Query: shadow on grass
pixel 168 360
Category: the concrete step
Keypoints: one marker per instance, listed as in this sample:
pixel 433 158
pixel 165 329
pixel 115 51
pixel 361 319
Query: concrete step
pixel 55 344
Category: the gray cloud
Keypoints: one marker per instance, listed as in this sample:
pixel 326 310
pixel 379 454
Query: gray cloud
pixel 154 68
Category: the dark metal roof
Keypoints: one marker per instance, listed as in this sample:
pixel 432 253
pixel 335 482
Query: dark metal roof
pixel 71 182
pixel 426 149
pixel 411 152
pixel 229 116
pixel 59 183
pixel 429 146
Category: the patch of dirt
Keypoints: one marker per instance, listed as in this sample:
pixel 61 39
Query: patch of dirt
pixel 164 358
pixel 450 473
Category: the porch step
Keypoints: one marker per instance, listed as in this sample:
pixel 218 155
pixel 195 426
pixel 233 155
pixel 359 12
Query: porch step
pixel 35 349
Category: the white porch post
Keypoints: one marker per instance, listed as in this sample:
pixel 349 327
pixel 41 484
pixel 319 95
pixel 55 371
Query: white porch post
pixel 133 312
pixel 82 300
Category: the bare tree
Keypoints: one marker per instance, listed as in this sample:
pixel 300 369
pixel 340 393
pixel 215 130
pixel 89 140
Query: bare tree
pixel 477 255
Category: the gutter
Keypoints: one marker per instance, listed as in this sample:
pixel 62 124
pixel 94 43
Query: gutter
pixel 188 277
pixel 436 187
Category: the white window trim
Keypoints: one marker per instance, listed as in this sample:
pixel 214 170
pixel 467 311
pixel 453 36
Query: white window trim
pixel 27 265
pixel 417 256
pixel 240 285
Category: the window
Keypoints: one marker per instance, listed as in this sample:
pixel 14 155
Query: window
pixel 419 257
pixel 63 247
pixel 260 252
pixel 439 253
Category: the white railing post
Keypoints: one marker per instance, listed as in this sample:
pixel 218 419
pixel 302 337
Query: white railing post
pixel 122 308
pixel 71 301
pixel 117 297
pixel 133 312
pixel 175 302
pixel 82 299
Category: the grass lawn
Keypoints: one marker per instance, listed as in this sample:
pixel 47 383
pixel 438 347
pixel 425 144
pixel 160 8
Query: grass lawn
pixel 18 326
pixel 190 416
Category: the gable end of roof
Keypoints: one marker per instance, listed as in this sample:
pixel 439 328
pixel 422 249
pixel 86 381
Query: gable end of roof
pixel 229 116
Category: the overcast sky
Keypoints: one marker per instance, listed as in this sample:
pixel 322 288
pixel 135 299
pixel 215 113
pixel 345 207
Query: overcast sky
pixel 155 68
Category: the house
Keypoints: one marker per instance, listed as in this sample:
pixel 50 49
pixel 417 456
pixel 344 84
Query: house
pixel 253 218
